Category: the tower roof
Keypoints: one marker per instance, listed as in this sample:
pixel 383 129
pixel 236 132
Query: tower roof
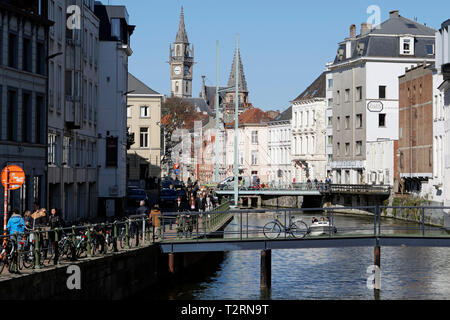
pixel 181 34
pixel 241 75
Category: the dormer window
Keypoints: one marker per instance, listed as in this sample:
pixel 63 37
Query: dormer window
pixel 407 46
pixel 340 54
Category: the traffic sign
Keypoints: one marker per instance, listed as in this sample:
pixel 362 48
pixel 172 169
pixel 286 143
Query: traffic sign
pixel 13 177
pixel 176 166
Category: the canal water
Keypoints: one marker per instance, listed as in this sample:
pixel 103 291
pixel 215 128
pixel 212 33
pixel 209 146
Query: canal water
pixel 334 273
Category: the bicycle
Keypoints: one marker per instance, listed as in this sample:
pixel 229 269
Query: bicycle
pixel 297 228
pixel 9 256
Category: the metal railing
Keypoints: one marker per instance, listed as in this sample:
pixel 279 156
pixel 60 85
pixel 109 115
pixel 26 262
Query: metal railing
pixel 321 187
pixel 368 221
pixel 44 247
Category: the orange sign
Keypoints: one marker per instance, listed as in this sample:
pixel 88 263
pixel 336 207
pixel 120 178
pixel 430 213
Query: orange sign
pixel 13 177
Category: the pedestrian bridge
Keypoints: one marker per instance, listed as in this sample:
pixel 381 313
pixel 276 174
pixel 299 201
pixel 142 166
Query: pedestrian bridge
pixel 245 234
pixel 312 189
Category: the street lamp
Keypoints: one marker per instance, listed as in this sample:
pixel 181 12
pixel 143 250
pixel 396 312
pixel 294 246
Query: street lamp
pixel 236 122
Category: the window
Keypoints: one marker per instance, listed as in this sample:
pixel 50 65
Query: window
pixel 358 148
pixel 347 149
pixel 254 158
pixel 52 149
pixel 347 122
pixel 407 46
pixel 145 112
pixel 347 95
pixel 144 137
pixel 26 117
pixel 330 102
pixel 338 123
pixel 254 137
pixel 430 49
pixel 40 123
pixel 128 111
pixel 40 58
pixel 67 151
pixel 115 28
pixel 358 93
pixel 26 55
pixel 330 140
pixel 359 120
pixel 382 92
pixel 330 83
pixel 12 120
pixel 338 149
pixel 330 121
pixel 338 97
pixel 12 51
pixel 382 120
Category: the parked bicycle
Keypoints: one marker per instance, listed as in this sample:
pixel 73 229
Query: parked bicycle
pixel 297 228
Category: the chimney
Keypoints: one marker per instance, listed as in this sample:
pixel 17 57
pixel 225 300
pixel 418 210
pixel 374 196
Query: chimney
pixel 393 14
pixel 353 31
pixel 365 28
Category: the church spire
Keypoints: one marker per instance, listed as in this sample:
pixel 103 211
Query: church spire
pixel 181 35
pixel 241 75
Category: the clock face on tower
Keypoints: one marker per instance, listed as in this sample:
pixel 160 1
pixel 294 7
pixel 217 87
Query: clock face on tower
pixel 177 70
pixel 186 71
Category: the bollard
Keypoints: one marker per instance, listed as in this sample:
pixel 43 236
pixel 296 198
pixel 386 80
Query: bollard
pixel 55 260
pixel 88 245
pixel 37 262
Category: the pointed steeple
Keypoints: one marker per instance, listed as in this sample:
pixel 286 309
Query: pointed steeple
pixel 232 79
pixel 181 34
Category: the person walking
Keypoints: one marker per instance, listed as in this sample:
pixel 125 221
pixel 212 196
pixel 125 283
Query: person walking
pixel 180 221
pixel 143 209
pixel 54 221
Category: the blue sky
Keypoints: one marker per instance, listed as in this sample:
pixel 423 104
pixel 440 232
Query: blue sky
pixel 284 44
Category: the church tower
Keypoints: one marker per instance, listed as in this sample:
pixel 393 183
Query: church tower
pixel 181 63
pixel 229 99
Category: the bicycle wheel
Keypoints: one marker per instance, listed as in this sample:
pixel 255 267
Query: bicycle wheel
pixel 272 230
pixel 299 229
pixel 28 259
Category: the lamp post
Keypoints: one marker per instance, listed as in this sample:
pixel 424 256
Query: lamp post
pixel 216 171
pixel 236 126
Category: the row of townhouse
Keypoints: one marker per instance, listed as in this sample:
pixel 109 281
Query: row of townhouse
pixel 378 114
pixel 63 113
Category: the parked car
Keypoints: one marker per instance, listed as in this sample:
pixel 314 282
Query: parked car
pixel 135 196
pixel 226 183
pixel 168 196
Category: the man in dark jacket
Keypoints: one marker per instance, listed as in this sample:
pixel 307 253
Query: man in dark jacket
pixel 143 209
pixel 54 221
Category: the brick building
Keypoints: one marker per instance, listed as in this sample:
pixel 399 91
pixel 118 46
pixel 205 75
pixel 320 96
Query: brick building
pixel 414 150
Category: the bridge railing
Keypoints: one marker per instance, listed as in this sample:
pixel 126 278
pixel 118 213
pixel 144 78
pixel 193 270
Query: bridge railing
pixel 323 188
pixel 374 221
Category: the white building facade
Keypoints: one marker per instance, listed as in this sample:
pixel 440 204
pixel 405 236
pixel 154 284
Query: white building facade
pixel 253 156
pixel 115 32
pixel 309 133
pixel 365 96
pixel 442 126
pixel 279 146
